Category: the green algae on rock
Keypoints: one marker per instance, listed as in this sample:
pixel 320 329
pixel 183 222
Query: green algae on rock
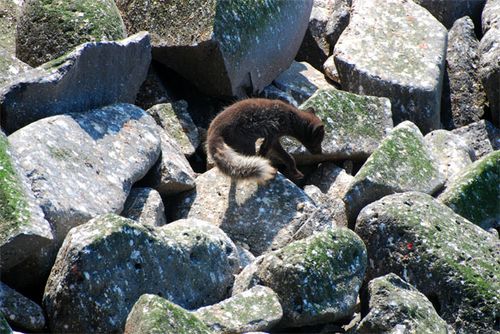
pixel 447 258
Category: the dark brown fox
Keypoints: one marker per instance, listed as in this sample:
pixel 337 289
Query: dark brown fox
pixel 232 137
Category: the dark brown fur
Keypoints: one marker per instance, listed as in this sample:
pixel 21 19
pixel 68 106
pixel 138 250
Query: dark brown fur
pixel 233 133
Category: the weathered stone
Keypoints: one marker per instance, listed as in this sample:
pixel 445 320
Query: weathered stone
pixel 401 163
pixel 489 70
pixel 92 76
pixel 145 206
pixel 152 90
pixel 8 13
pixel 354 125
pixel 333 205
pixel 49 29
pixel 317 279
pixel 463 99
pixel 481 136
pixel 256 309
pixel 274 93
pixel 23 228
pixel 397 307
pixel 20 311
pixel 4 325
pixel 490 17
pixel 175 119
pixel 245 256
pixel 153 314
pixel 452 261
pixel 263 217
pixel 447 12
pixel 331 70
pixel 475 193
pixel 301 81
pixel 104 266
pixel 223 47
pixel 451 152
pixel 172 173
pixel 396 49
pixel 10 66
pixel 331 179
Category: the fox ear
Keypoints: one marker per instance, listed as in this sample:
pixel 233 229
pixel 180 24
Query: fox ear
pixel 310 110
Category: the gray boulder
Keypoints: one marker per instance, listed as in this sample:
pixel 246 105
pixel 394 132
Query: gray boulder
pixel 481 136
pixel 20 311
pixel 256 309
pixel 447 12
pixel 354 125
pixel 334 205
pixel 263 217
pixel 402 162
pixel 225 48
pixel 104 266
pixel 176 121
pixel 397 307
pixel 4 325
pixel 490 18
pixel 145 206
pixel 463 99
pixel 317 279
pixel 153 314
pixel 23 228
pixel 49 29
pixel 395 49
pixel 475 192
pixel 92 76
pixel 10 67
pixel 8 20
pixel 331 179
pixel 447 258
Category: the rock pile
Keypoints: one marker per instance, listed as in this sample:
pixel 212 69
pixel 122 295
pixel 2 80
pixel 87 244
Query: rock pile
pixel 112 221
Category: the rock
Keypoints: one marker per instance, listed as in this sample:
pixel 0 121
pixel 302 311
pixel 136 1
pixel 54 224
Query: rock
pixel 274 93
pixel 153 314
pixel 8 13
pixel 245 256
pixel 172 173
pixel 481 136
pixel 92 76
pixel 354 126
pixel 23 228
pixel 331 179
pixel 49 29
pixel 401 163
pixel 301 81
pixel 451 152
pixel 176 121
pixel 490 18
pixel 20 311
pixel 489 53
pixel 396 49
pixel 463 99
pixel 397 307
pixel 152 90
pixel 190 262
pixel 317 279
pixel 263 217
pixel 447 258
pixel 225 48
pixel 145 206
pixel 475 193
pixel 332 204
pixel 256 309
pixel 331 70
pixel 447 12
pixel 4 325
pixel 10 67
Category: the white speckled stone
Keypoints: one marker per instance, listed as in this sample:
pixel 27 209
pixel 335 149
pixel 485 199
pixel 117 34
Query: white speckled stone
pixel 145 206
pixel 20 311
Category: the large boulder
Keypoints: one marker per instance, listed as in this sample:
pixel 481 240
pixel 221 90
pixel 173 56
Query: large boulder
pixel 447 258
pixel 223 47
pixel 105 265
pixel 23 228
pixel 92 76
pixel 20 311
pixel 396 49
pixel 317 279
pixel 402 162
pixel 49 29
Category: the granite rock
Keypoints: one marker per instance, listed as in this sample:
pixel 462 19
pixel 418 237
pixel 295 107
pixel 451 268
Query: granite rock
pixel 145 206
pixel 483 137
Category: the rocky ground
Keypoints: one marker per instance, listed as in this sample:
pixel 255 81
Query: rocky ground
pixel 111 219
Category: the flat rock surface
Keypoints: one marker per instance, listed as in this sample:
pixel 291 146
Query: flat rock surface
pixel 397 49
pixel 442 254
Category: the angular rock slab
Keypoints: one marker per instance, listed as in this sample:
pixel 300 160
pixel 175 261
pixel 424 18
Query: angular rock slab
pixel 317 279
pixel 475 193
pixel 452 261
pixel 153 314
pixel 481 136
pixel 402 162
pixel 23 228
pixel 20 311
pixel 223 47
pixel 104 266
pixel 92 76
pixel 354 125
pixel 396 49
pixel 47 30
pixel 253 310
pixel 397 307
pixel 145 206
pixel 263 217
